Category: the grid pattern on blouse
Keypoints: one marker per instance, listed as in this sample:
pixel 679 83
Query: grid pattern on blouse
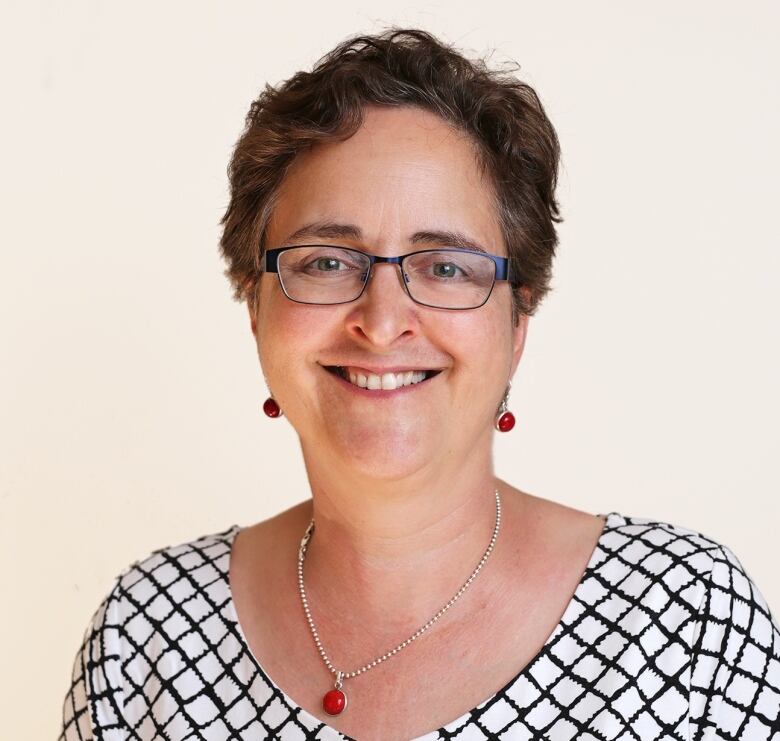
pixel 665 638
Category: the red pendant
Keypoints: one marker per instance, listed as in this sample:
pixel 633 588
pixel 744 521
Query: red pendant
pixel 334 702
pixel 505 422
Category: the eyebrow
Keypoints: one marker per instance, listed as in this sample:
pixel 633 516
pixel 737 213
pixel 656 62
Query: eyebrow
pixel 326 230
pixel 448 239
pixel 332 230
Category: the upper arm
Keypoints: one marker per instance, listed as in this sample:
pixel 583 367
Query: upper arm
pixel 735 672
pixel 76 721
pixel 92 709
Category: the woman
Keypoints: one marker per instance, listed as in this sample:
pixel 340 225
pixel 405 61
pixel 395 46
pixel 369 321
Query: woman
pixel 391 228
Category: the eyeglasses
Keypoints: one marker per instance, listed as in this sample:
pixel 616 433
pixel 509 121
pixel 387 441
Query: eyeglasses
pixel 443 278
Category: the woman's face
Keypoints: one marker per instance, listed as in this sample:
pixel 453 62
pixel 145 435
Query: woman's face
pixel 403 173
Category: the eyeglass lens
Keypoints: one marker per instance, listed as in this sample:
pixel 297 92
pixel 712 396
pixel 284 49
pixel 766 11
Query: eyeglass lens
pixel 444 278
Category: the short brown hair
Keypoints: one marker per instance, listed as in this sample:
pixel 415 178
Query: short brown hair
pixel 518 146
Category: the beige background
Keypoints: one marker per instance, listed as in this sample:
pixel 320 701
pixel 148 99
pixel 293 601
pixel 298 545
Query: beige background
pixel 129 388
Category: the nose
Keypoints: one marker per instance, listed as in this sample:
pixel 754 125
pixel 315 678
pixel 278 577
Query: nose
pixel 385 312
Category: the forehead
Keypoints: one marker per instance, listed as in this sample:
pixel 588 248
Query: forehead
pixel 405 170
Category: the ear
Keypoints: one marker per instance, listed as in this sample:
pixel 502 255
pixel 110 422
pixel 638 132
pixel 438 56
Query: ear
pixel 519 333
pixel 250 295
pixel 252 309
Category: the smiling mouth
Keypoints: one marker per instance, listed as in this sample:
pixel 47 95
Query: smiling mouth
pixel 383 382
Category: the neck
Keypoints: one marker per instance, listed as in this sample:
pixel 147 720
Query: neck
pixel 407 544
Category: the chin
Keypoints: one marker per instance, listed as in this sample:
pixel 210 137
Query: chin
pixel 383 467
pixel 383 451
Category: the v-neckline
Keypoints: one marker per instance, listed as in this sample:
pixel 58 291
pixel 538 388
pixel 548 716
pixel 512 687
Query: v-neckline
pixel 455 724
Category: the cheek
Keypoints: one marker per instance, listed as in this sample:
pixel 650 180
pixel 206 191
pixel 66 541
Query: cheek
pixel 482 340
pixel 285 333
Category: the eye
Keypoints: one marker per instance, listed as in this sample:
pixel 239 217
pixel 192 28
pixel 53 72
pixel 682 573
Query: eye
pixel 328 264
pixel 445 269
pixel 320 262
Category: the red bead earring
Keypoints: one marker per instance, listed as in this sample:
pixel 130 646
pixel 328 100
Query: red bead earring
pixel 505 420
pixel 271 408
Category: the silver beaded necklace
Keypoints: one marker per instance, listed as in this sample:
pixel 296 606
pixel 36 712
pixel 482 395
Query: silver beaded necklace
pixel 335 701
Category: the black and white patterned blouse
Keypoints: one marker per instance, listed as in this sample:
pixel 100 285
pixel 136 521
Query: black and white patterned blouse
pixel 665 637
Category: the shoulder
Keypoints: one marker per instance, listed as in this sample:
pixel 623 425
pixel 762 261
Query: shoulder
pixel 177 571
pixel 686 610
pixel 171 584
pixel 169 592
pixel 688 564
pixel 689 581
pixel 159 609
pixel 660 548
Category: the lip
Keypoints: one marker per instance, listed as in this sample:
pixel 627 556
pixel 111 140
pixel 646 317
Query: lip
pixel 380 393
pixel 366 369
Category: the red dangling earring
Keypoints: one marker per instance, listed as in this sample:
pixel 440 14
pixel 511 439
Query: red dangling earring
pixel 505 420
pixel 271 408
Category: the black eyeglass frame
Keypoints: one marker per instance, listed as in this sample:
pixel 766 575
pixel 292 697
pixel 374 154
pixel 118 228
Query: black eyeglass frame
pixel 270 264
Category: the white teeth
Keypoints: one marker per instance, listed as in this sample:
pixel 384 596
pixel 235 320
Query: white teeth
pixel 387 381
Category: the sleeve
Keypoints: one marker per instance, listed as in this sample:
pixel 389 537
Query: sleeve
pixel 735 671
pixel 92 709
